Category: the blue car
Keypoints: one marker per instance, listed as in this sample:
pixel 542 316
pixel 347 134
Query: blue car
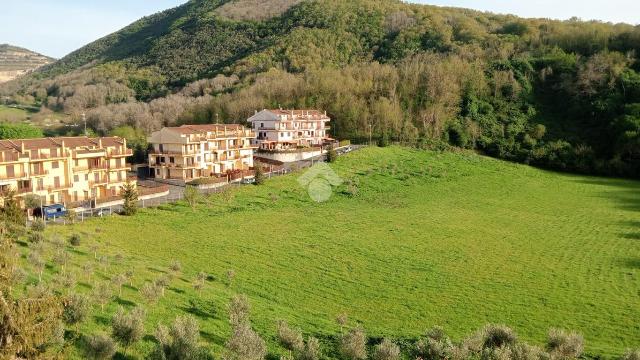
pixel 50 211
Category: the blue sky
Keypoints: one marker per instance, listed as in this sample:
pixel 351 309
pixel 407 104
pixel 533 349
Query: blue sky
pixel 57 27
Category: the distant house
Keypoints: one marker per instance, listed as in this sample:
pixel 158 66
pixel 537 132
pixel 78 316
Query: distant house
pixel 289 129
pixel 64 169
pixel 194 151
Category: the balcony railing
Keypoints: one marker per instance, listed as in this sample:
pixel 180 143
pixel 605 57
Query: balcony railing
pixel 121 152
pixel 24 190
pixel 39 172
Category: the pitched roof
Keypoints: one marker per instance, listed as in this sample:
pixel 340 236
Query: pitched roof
pixel 48 143
pixel 297 112
pixel 199 129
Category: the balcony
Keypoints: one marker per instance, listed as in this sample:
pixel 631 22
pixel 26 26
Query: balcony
pixel 120 167
pixel 24 190
pixel 98 167
pixel 58 187
pixel 15 176
pixel 9 157
pixel 39 172
pixel 120 153
pixel 99 182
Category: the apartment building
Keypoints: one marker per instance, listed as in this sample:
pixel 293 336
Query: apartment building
pixel 194 151
pixel 65 169
pixel 289 129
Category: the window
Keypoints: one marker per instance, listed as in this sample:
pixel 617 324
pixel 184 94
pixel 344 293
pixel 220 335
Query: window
pixel 158 172
pixel 56 181
pixel 262 125
pixel 55 165
pixel 86 177
pixel 11 172
pixel 76 178
pixel 172 159
pixel 76 162
pixel 40 184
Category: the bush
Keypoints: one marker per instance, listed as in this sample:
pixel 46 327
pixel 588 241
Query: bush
pixel 386 350
pixel 353 345
pixel 245 344
pixel 563 345
pixel 436 345
pixel 74 240
pixel 259 176
pixel 76 309
pixel 150 292
pixel 311 350
pixel 180 342
pixel 631 354
pixel 498 336
pixel 38 225
pixel 239 310
pixel 127 329
pixel 290 338
pixel 332 155
pixel 36 237
pixel 130 196
pixel 100 347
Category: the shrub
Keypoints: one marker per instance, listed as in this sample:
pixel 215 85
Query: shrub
pixel 239 310
pixel 36 237
pixel 76 309
pixel 353 345
pixel 245 344
pixel 74 240
pixel 386 350
pixel 498 336
pixel 332 154
pixel 563 345
pixel 631 354
pixel 191 196
pixel 435 346
pixel 150 292
pixel 259 176
pixel 290 338
pixel 102 293
pixel 175 266
pixel 100 347
pixel 180 342
pixel 311 350
pixel 127 329
pixel 38 225
pixel 130 196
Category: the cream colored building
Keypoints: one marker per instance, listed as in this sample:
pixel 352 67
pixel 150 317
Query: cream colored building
pixel 195 151
pixel 290 129
pixel 64 169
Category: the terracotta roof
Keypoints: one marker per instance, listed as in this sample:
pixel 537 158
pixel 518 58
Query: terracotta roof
pixel 49 143
pixel 198 129
pixel 297 112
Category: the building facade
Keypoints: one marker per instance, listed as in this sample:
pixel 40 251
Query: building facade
pixel 65 169
pixel 289 129
pixel 190 152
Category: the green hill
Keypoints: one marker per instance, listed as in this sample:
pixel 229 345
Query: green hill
pixel 412 239
pixel 563 95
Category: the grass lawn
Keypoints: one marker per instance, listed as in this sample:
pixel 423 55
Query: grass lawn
pixel 456 240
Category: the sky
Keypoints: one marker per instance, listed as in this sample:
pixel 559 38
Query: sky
pixel 57 27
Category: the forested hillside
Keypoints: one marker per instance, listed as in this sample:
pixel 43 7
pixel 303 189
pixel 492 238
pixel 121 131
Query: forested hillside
pixel 563 95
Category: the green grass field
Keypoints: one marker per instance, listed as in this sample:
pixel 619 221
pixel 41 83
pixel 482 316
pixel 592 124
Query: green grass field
pixel 456 240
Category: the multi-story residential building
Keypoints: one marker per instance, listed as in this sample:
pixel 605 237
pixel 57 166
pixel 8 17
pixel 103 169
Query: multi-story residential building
pixel 65 169
pixel 195 151
pixel 289 129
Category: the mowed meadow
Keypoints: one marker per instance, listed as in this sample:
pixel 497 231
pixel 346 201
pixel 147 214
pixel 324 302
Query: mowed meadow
pixel 410 240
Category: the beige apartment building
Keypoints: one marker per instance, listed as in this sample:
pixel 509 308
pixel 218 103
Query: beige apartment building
pixel 289 129
pixel 194 151
pixel 64 169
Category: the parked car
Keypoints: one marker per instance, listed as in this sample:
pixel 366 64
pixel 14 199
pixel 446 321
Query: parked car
pixel 50 211
pixel 248 181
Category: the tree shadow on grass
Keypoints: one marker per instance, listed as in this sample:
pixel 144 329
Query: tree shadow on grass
pixel 201 309
pixel 212 338
pixel 102 320
pixel 123 302
pixel 631 236
pixel 633 263
pixel 128 286
pixel 176 290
